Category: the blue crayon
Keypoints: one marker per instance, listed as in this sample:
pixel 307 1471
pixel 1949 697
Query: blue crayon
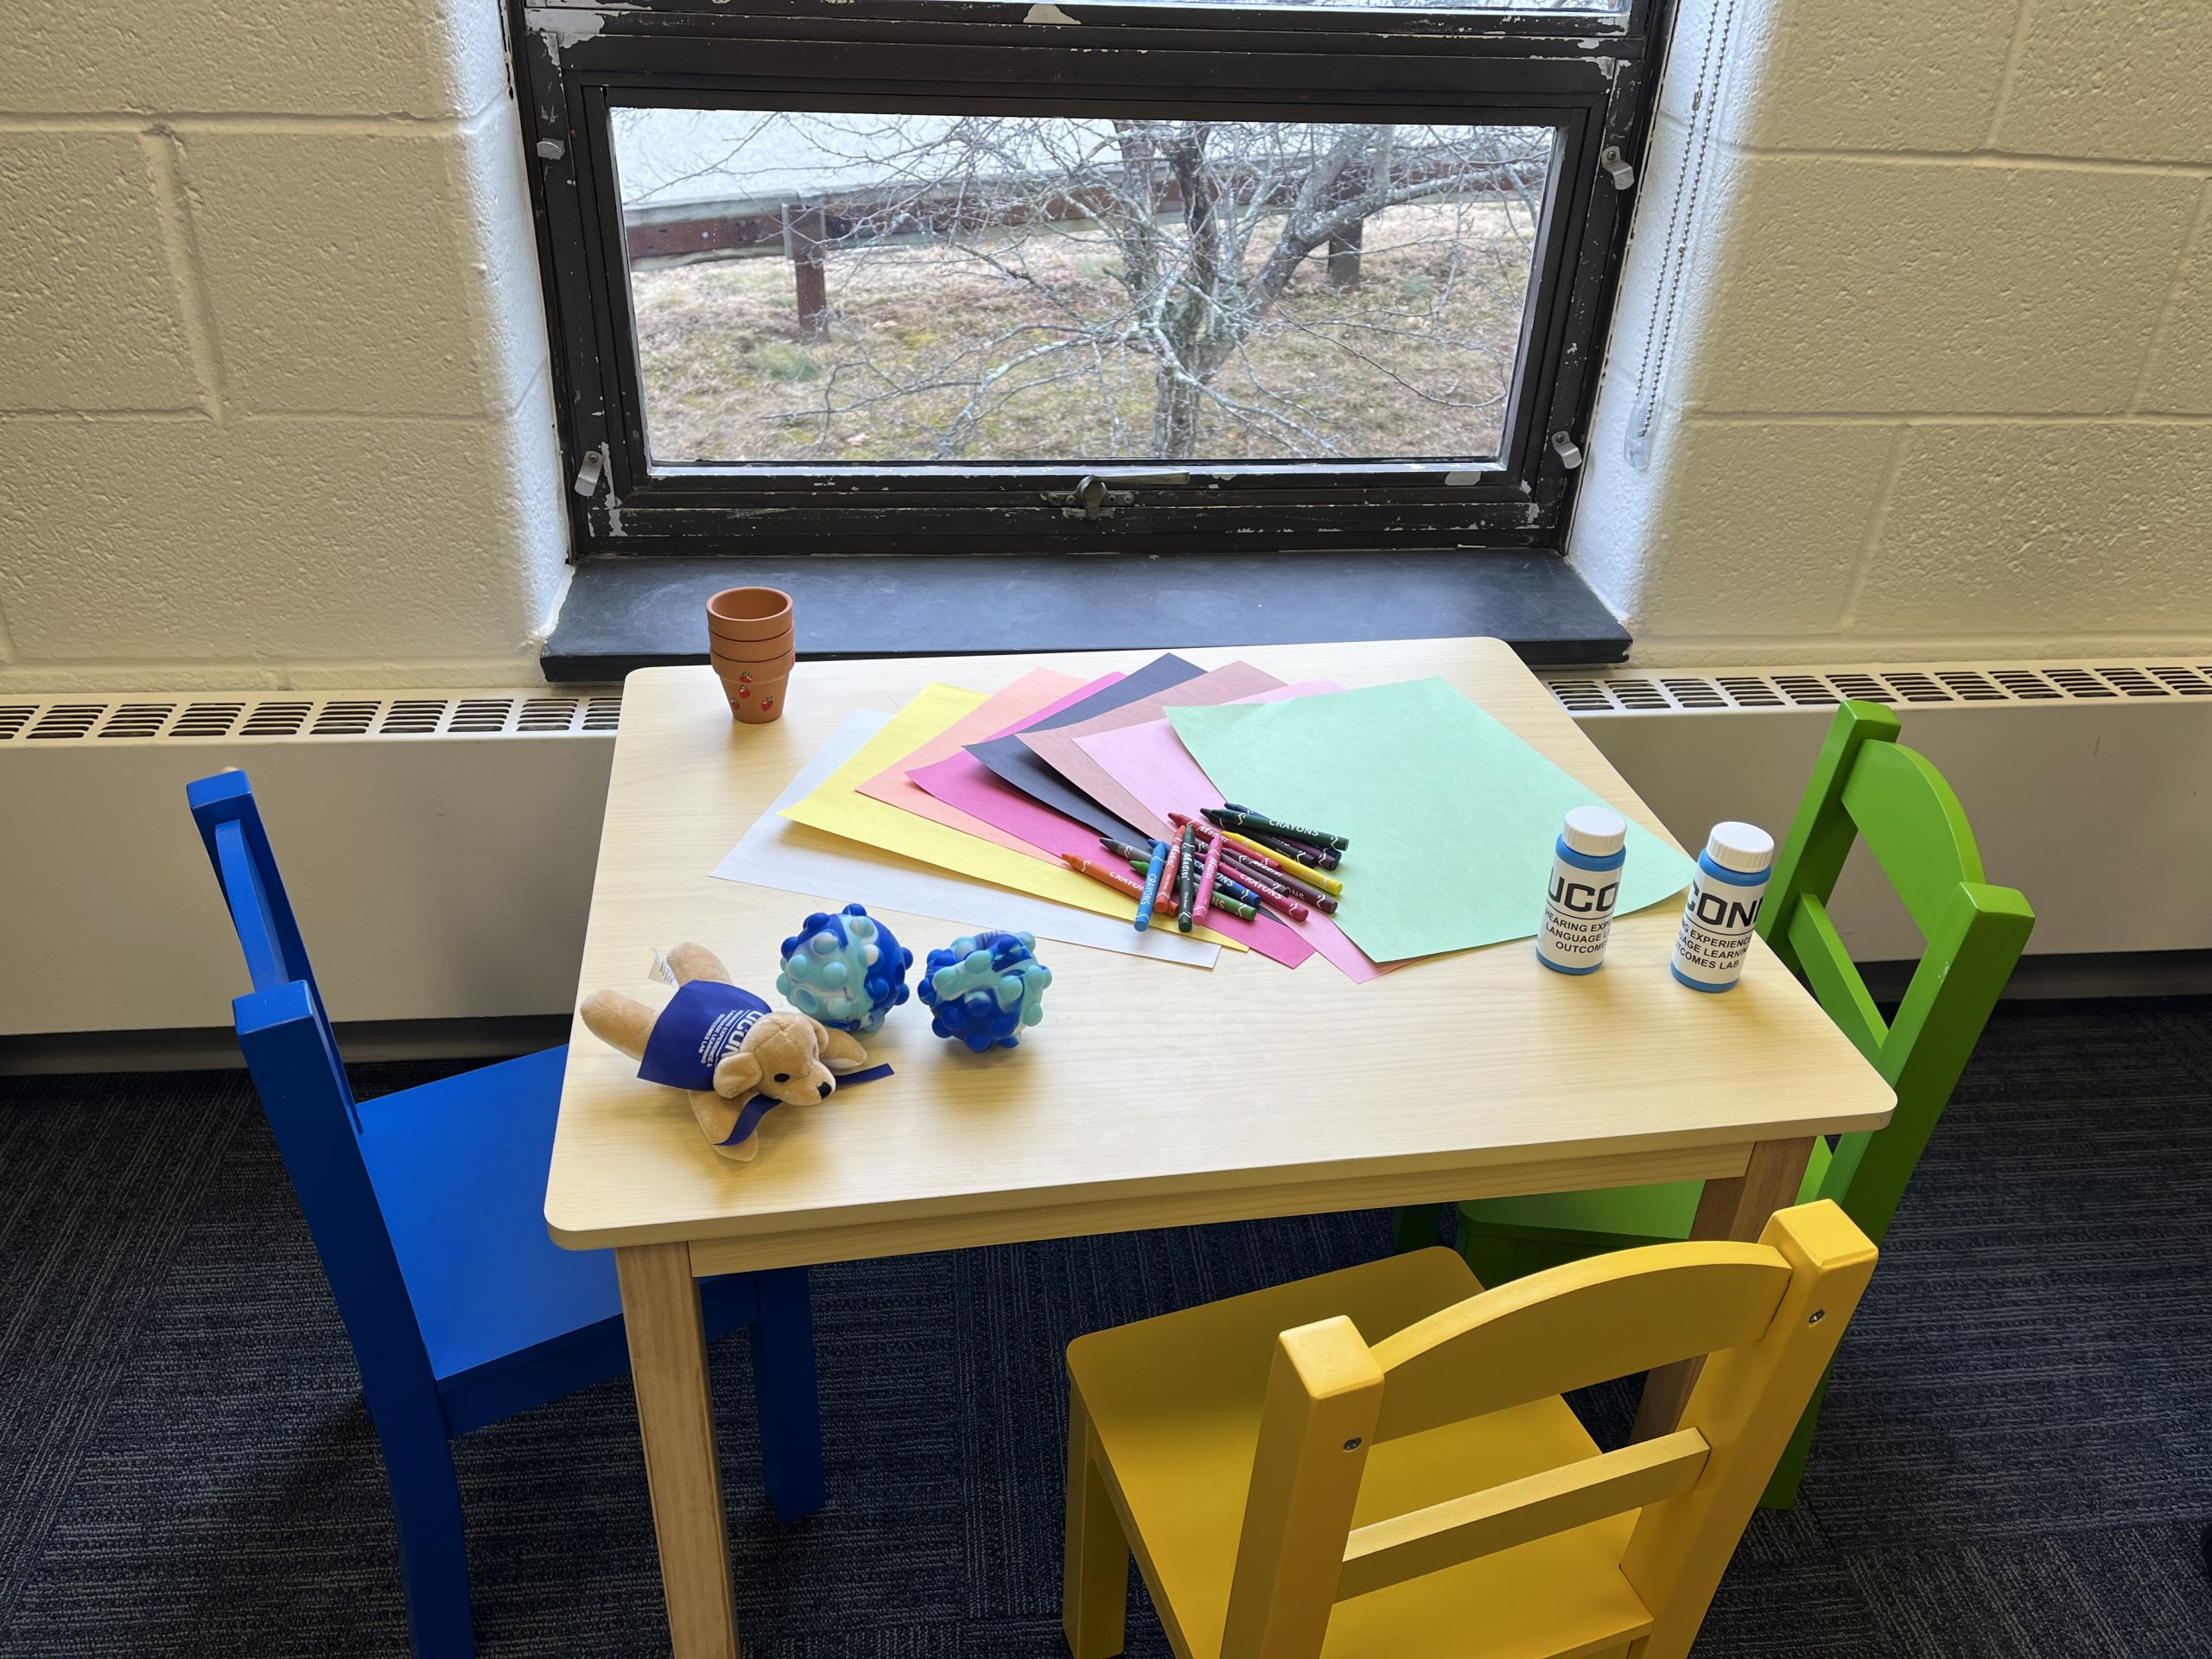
pixel 1152 874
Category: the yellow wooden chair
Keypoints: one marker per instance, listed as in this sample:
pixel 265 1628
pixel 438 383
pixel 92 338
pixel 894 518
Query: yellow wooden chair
pixel 1378 1462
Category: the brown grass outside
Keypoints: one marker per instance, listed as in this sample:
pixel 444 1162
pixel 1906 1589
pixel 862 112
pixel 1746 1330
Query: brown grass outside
pixel 1416 361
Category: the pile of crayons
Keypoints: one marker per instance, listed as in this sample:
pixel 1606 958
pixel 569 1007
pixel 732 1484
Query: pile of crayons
pixel 1236 860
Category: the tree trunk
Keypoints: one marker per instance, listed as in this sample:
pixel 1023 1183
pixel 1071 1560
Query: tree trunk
pixel 1174 415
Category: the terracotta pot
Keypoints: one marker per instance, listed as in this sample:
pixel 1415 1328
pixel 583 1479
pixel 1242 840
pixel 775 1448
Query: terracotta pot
pixel 749 614
pixel 750 654
pixel 737 675
pixel 758 702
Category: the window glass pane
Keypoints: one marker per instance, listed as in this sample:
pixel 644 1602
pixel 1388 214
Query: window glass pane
pixel 813 288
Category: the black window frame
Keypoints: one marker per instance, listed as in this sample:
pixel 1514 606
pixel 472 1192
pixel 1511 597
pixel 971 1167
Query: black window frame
pixel 1590 75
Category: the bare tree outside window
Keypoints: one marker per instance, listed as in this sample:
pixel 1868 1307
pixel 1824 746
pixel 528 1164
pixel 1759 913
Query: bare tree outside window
pixel 899 289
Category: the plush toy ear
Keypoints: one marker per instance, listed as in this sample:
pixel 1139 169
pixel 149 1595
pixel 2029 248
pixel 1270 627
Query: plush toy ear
pixel 840 1051
pixel 690 961
pixel 738 1076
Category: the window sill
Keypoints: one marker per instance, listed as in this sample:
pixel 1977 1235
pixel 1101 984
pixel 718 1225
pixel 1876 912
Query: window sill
pixel 625 614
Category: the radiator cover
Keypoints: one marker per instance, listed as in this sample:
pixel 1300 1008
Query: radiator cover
pixel 2085 782
pixel 438 848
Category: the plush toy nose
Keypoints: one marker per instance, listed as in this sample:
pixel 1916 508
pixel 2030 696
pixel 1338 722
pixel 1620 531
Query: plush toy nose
pixel 822 1093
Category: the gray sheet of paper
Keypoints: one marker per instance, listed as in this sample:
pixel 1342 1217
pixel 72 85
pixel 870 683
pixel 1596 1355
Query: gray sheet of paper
pixel 794 858
pixel 1014 761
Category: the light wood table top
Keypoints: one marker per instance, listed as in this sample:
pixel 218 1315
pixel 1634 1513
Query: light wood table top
pixel 1153 1093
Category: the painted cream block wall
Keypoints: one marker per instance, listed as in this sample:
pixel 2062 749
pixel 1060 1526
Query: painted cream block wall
pixel 1936 377
pixel 273 367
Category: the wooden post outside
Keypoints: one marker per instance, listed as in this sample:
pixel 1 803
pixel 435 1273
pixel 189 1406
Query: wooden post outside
pixel 1344 248
pixel 1344 258
pixel 805 233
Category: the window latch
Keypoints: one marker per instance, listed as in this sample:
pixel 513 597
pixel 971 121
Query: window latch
pixel 1569 452
pixel 589 474
pixel 1616 167
pixel 1092 497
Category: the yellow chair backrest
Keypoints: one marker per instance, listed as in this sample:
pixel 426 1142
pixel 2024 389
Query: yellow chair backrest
pixel 1768 1314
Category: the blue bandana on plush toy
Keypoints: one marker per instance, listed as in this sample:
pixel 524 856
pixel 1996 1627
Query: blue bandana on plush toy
pixel 703 1021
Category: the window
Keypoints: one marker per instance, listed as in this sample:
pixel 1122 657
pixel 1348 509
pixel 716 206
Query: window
pixel 961 275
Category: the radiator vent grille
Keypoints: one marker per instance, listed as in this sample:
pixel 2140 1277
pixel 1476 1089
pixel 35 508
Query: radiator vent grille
pixel 519 713
pixel 1625 691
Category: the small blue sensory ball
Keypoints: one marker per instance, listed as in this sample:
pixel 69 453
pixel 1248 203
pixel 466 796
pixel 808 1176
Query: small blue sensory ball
pixel 982 990
pixel 845 970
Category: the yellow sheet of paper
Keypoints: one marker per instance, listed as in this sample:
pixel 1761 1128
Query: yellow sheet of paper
pixel 840 807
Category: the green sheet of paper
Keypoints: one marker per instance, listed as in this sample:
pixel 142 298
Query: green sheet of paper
pixel 1451 817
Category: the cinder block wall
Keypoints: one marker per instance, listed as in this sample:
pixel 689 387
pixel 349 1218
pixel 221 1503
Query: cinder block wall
pixel 273 367
pixel 1934 377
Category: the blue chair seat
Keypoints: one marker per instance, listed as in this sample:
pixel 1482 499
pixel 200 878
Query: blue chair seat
pixel 459 1167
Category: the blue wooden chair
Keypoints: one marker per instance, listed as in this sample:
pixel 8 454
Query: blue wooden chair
pixel 427 1207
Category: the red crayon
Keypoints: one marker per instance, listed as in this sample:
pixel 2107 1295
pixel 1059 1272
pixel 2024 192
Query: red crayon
pixel 1282 880
pixel 1243 860
pixel 1251 870
pixel 1117 880
pixel 1207 872
pixel 1271 895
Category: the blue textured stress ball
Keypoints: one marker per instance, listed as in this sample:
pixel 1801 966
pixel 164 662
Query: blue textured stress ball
pixel 846 970
pixel 982 990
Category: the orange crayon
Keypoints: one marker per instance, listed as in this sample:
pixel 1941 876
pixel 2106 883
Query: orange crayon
pixel 1115 879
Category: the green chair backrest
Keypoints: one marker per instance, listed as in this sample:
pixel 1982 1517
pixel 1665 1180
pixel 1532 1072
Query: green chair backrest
pixel 1866 785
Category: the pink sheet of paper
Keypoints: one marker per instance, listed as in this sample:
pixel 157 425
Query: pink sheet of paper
pixel 1158 772
pixel 1061 748
pixel 962 781
pixel 1031 697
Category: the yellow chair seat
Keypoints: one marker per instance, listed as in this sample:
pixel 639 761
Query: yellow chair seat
pixel 1176 1402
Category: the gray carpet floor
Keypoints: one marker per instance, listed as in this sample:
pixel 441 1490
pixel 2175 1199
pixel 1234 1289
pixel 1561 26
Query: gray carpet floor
pixel 2016 1458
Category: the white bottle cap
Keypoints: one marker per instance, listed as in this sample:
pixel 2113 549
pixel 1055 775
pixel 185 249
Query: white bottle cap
pixel 1744 848
pixel 1595 831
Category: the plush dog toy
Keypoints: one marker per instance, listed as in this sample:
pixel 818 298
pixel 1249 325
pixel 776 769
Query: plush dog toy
pixel 724 1047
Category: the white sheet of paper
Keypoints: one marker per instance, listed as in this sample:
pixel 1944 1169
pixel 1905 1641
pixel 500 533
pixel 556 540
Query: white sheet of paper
pixel 792 858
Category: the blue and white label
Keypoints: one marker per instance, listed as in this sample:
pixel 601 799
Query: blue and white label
pixel 1718 919
pixel 704 1021
pixel 1579 909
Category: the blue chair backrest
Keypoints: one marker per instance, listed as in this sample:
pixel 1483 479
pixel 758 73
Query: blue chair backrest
pixel 284 1031
pixel 261 911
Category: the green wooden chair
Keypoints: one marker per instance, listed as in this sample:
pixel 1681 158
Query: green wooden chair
pixel 1865 784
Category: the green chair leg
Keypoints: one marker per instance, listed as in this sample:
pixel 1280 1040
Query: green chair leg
pixel 1781 1488
pixel 1494 1260
pixel 1419 1227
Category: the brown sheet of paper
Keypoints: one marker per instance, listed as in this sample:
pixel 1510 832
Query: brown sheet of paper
pixel 1058 749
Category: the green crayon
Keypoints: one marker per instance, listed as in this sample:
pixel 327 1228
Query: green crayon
pixel 1186 879
pixel 1245 821
pixel 1321 858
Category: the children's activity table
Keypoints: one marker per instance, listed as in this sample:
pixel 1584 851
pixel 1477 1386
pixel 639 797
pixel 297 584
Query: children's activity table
pixel 1154 1094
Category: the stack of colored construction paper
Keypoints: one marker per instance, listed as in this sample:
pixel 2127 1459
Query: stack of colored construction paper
pixel 1450 815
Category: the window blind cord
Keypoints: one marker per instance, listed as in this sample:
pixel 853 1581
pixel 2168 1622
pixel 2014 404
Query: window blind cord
pixel 1681 224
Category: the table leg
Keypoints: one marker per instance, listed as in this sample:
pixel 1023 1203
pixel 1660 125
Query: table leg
pixel 668 1367
pixel 1735 1208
